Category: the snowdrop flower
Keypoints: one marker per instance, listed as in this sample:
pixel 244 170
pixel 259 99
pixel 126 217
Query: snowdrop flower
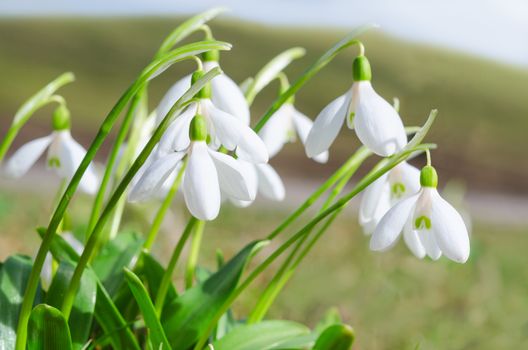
pixel 64 154
pixel 207 174
pixel 263 179
pixel 223 129
pixel 430 225
pixel 378 126
pixel 399 183
pixel 225 93
pixel 283 126
pixel 46 275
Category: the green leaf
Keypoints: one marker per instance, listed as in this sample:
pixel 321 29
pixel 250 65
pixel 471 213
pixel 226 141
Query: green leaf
pixel 112 322
pixel 14 274
pixel 188 317
pixel 115 255
pixel 151 271
pixel 271 70
pixel 330 318
pixel 156 334
pixel 188 27
pixel 265 335
pixel 106 313
pixel 81 317
pixel 335 337
pixel 48 330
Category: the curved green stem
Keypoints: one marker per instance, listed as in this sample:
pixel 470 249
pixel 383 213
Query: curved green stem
pixel 192 260
pixel 279 279
pixel 160 215
pixel 327 57
pixel 167 275
pixel 150 72
pixel 28 108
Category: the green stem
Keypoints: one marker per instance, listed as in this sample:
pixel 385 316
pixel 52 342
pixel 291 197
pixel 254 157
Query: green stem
pixel 160 215
pixel 167 275
pixel 121 136
pixel 276 284
pixel 384 166
pixel 192 260
pixel 344 169
pixel 93 241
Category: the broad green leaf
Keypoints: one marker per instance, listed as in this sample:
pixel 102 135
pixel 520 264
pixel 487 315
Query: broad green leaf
pixel 106 313
pixel 335 337
pixel 14 274
pixel 152 272
pixel 330 318
pixel 156 334
pixel 186 318
pixel 112 322
pixel 81 317
pixel 48 330
pixel 115 255
pixel 265 335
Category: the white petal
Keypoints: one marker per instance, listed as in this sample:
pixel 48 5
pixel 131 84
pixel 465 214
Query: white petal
pixel 176 137
pixel 303 125
pixel 383 206
pixel 449 230
pixel 240 204
pixel 233 133
pixel 270 183
pixel 378 126
pixel 410 236
pixel 200 184
pixel 391 225
pixel 277 131
pixel 154 176
pixel 73 242
pixel 171 96
pixel 371 198
pixel 231 176
pixel 250 175
pixel 227 96
pixel 429 243
pixel 26 156
pixel 71 154
pixel 410 178
pixel 326 126
pixel 46 275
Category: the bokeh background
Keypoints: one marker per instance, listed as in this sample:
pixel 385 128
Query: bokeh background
pixel 468 59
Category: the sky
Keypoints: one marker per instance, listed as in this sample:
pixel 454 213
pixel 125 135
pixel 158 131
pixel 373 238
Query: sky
pixel 495 29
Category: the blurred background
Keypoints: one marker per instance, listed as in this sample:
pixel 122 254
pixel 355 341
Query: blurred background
pixel 468 59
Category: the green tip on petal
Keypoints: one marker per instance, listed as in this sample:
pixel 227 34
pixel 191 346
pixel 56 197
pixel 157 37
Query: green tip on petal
pixel 361 69
pixel 211 56
pixel 198 130
pixel 428 177
pixel 205 92
pixel 61 118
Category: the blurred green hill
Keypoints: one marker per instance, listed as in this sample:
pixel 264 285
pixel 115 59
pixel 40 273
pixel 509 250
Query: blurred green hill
pixel 483 107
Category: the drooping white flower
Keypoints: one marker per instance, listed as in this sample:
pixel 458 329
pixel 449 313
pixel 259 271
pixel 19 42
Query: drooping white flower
pixel 377 124
pixel 284 126
pixel 207 174
pixel 46 275
pixel 399 183
pixel 430 224
pixel 223 128
pixel 64 155
pixel 263 179
pixel 225 95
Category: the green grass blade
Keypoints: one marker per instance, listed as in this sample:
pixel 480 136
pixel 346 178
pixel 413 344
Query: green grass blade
pixel 156 335
pixel 48 329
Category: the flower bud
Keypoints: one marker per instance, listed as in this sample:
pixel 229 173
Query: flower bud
pixel 211 56
pixel 205 92
pixel 198 129
pixel 361 69
pixel 428 177
pixel 61 118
